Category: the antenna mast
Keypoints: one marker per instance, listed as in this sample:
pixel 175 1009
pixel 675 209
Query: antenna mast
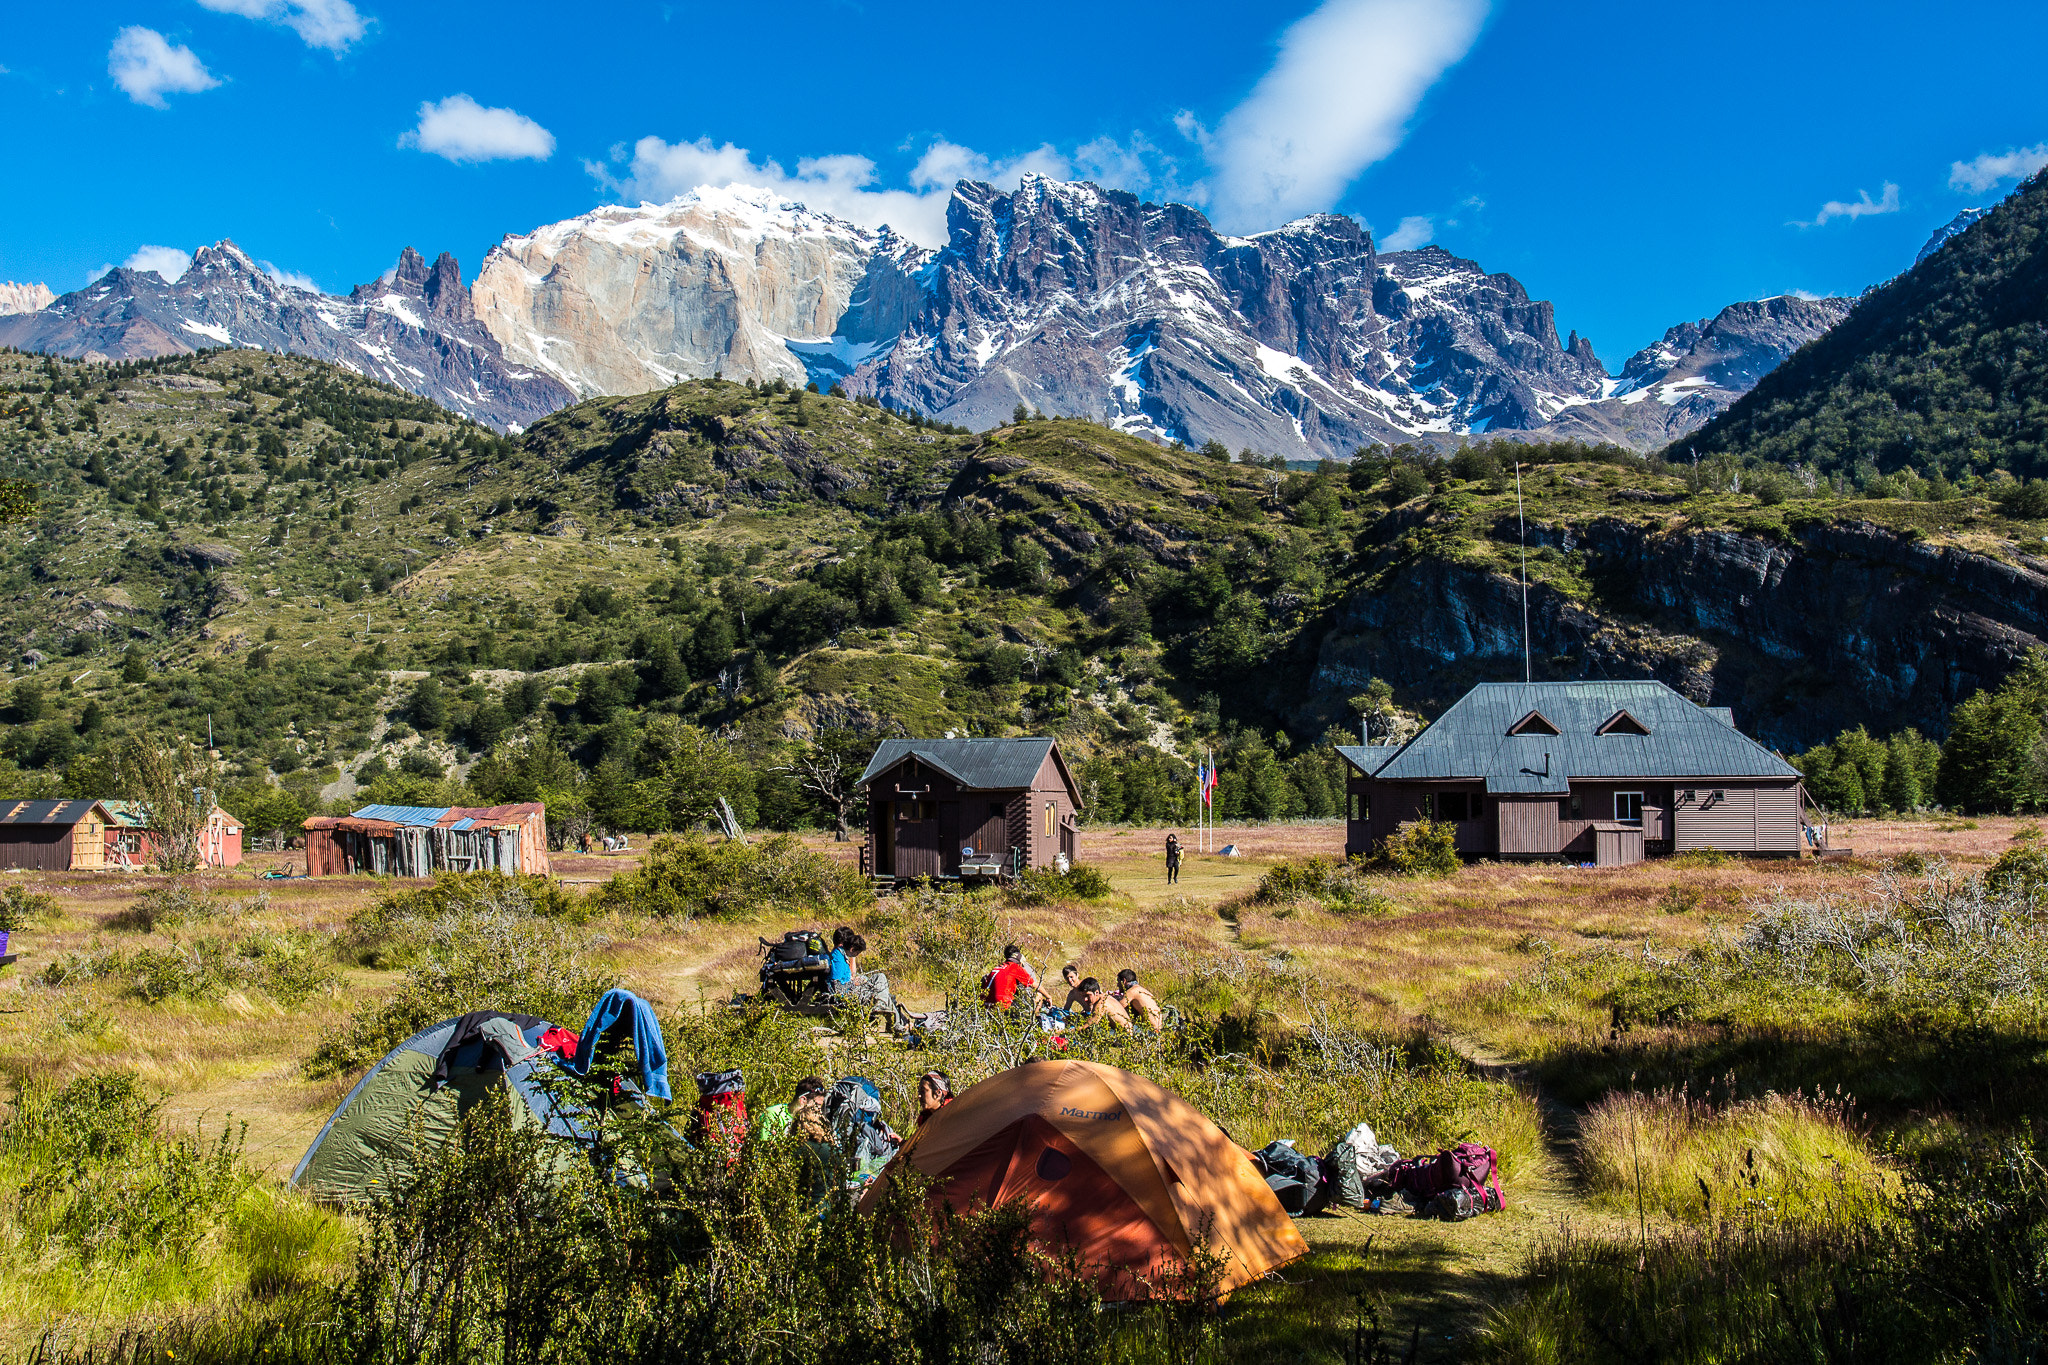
pixel 1523 524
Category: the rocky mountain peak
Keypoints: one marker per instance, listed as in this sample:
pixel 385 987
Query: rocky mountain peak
pixel 1952 227
pixel 24 298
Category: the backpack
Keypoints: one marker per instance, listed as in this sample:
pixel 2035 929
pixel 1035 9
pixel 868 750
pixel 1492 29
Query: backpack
pixel 1295 1178
pixel 721 1114
pixel 796 949
pixel 1467 1167
pixel 854 1109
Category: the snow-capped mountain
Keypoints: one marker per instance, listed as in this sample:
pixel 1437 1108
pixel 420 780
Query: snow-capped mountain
pixel 1677 385
pixel 1065 297
pixel 24 298
pixel 413 328
pixel 733 281
pixel 1948 230
pixel 1076 300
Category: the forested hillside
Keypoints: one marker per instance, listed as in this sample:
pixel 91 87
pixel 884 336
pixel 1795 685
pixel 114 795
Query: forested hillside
pixel 646 602
pixel 1937 375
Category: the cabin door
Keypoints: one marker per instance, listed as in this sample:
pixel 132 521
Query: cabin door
pixel 918 848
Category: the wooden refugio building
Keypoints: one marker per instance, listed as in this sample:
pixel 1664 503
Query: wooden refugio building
pixel 1597 772
pixel 418 841
pixel 1013 802
pixel 53 836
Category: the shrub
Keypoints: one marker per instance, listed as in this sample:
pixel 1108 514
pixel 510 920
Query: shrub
pixel 1700 857
pixel 393 930
pixel 472 959
pixel 175 905
pixel 112 1184
pixel 686 876
pixel 1337 885
pixel 1050 886
pixel 20 907
pixel 1421 848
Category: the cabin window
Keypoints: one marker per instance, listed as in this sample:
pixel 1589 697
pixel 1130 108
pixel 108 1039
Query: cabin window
pixel 1455 806
pixel 1361 808
pixel 1622 723
pixel 997 810
pixel 1535 723
pixel 1628 808
pixel 1051 814
pixel 918 810
pixel 1578 804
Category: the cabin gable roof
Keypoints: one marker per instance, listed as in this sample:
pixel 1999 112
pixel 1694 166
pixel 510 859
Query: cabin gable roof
pixel 1670 738
pixel 977 764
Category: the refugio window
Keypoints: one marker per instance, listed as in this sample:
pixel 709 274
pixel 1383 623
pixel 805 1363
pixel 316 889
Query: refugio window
pixel 1455 806
pixel 1628 808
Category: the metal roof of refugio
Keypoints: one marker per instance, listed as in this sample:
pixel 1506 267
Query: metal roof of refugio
pixel 1472 740
pixel 982 764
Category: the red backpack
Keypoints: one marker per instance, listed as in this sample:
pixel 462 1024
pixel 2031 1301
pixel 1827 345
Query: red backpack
pixel 1467 1168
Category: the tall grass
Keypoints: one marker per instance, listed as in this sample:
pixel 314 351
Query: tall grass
pixel 108 1212
pixel 1777 1157
pixel 1952 1271
pixel 1924 991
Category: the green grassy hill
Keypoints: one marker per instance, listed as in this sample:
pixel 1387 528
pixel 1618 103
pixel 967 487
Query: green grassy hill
pixel 1936 375
pixel 354 592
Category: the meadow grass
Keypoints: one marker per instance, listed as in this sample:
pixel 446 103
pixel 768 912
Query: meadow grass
pixel 1776 1157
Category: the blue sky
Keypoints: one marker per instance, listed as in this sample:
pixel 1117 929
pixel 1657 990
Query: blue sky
pixel 1637 165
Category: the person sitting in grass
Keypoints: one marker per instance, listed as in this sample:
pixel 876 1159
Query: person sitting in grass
pixel 1101 1005
pixel 1071 974
pixel 871 989
pixel 1002 986
pixel 1139 1003
pixel 934 1092
pixel 803 1114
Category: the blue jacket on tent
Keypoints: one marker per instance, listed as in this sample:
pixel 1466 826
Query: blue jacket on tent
pixel 622 1014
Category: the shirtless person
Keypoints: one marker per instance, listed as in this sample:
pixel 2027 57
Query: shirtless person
pixel 1140 1003
pixel 1102 1005
pixel 1071 974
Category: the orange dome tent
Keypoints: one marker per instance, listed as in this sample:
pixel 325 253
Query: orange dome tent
pixel 1118 1169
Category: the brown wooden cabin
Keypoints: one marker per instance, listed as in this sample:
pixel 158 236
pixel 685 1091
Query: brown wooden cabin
pixel 1598 772
pixel 53 836
pixel 1013 801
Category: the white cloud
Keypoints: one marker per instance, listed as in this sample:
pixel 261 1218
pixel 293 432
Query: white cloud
pixel 847 186
pixel 290 277
pixel 1412 233
pixel 329 24
pixel 1338 98
pixel 147 67
pixel 92 275
pixel 1988 169
pixel 1862 206
pixel 166 261
pixel 460 129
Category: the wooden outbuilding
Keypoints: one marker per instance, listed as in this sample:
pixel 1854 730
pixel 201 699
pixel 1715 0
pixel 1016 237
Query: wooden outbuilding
pixel 418 841
pixel 1597 772
pixel 131 844
pixel 53 836
pixel 973 808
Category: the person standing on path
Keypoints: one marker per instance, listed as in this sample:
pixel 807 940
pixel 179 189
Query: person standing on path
pixel 1172 859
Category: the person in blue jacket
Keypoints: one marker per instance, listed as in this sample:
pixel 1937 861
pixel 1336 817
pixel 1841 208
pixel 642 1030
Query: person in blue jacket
pixel 866 988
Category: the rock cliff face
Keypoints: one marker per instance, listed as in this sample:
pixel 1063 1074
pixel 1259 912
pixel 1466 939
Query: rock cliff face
pixel 734 281
pixel 24 298
pixel 413 328
pixel 1840 626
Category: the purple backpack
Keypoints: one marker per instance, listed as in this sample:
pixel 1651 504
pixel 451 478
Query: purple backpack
pixel 1467 1167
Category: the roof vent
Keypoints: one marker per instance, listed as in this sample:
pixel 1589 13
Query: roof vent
pixel 1622 723
pixel 1535 723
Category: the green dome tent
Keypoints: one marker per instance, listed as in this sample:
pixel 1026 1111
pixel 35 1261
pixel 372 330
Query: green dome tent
pixel 369 1143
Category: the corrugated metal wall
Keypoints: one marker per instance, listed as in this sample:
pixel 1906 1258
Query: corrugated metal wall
pixel 38 848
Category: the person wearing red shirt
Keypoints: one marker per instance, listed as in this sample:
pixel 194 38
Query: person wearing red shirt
pixel 1000 987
